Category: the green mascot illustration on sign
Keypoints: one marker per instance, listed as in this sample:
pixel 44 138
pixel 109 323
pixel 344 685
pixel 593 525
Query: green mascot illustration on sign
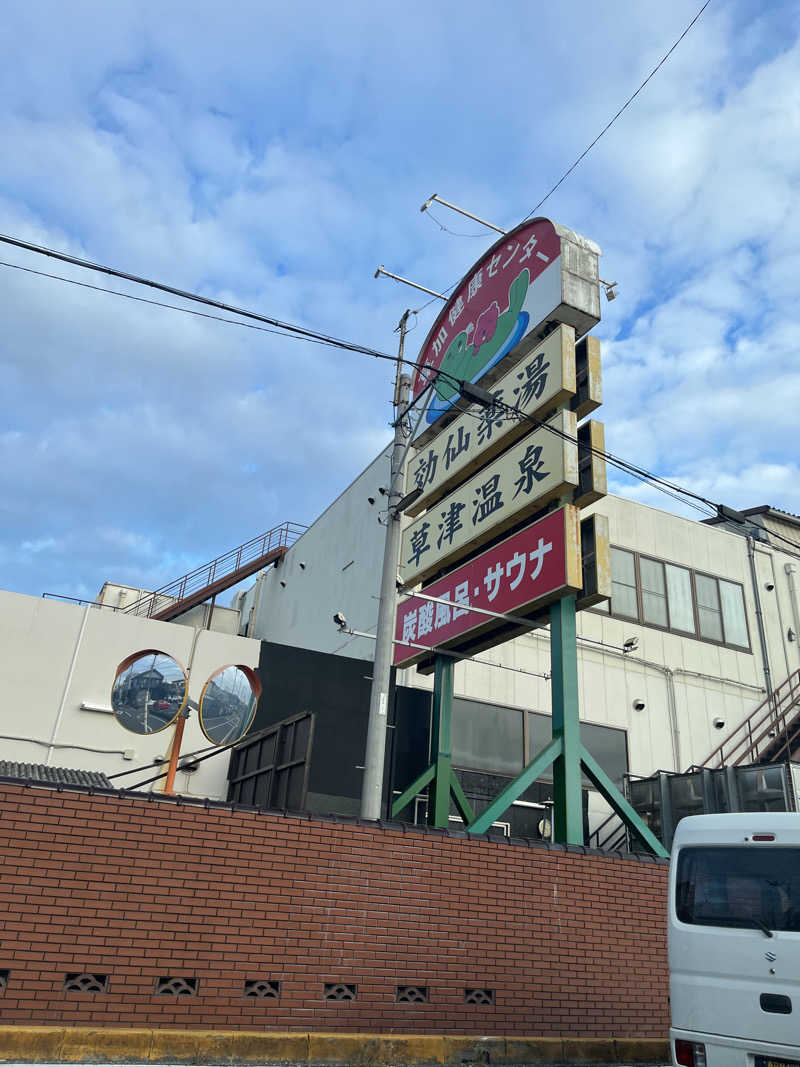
pixel 473 351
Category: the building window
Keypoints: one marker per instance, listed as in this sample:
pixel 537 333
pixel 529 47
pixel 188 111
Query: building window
pixel 676 598
pixel 623 583
pixel 733 616
pixel 500 740
pixel 487 737
pixel 679 596
pixel 654 592
pixel 709 613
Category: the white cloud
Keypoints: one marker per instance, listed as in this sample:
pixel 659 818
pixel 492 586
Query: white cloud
pixel 273 160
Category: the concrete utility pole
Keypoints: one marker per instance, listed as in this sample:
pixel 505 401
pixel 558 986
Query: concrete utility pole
pixel 384 638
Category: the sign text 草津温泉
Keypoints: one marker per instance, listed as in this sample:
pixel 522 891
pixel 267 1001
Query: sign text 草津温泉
pixel 537 469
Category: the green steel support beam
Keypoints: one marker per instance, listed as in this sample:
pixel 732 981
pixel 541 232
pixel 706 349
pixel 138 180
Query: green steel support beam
pixel 439 792
pixel 516 788
pixel 567 798
pixel 462 804
pixel 416 787
pixel 606 787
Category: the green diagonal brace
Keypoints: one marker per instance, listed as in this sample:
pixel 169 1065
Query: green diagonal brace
pixel 516 788
pixel 618 802
pixel 416 787
pixel 464 809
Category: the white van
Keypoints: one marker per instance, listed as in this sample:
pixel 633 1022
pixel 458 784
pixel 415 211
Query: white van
pixel 734 940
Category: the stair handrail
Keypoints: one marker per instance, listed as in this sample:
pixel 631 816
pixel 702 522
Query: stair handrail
pixel 756 727
pixel 281 536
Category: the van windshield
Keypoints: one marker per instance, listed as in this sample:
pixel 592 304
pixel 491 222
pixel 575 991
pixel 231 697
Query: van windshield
pixel 739 886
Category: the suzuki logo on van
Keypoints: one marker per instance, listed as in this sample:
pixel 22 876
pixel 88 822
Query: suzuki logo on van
pixel 770 956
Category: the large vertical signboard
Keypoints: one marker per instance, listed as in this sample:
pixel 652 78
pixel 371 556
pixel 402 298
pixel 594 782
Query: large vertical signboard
pixel 535 274
pixel 478 471
pixel 510 323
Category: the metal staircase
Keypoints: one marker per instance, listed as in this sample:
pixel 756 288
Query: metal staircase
pixel 611 835
pixel 770 733
pixel 220 574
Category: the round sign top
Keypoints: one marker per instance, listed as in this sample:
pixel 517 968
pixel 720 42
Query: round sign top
pixel 150 691
pixel 228 704
pixel 493 307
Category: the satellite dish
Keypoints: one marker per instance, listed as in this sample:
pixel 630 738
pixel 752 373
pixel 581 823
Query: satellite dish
pixel 228 704
pixel 150 691
pixel 545 828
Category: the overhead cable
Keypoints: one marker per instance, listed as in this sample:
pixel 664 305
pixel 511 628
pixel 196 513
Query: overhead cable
pixel 611 122
pixel 283 329
pixel 288 327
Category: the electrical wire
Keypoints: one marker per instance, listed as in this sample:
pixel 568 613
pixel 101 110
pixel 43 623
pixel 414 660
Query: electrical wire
pixel 671 489
pixel 176 307
pixel 626 467
pixel 627 103
pixel 183 294
pixel 147 766
pixel 446 229
pixel 202 759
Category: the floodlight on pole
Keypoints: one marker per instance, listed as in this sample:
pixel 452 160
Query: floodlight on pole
pixel 609 287
pixel 436 199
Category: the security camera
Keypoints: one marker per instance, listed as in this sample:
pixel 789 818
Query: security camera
pixel 718 723
pixel 638 705
pixel 769 586
pixel 340 620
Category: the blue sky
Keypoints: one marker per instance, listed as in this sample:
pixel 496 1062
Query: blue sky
pixel 273 155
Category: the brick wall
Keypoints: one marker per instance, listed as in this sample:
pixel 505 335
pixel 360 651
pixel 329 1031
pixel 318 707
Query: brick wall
pixel 570 943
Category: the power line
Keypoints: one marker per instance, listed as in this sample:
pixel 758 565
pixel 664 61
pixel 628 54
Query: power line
pixel 627 103
pixel 625 466
pixel 294 332
pixel 183 294
pixel 176 307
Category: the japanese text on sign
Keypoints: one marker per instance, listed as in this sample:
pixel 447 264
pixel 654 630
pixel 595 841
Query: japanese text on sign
pixel 543 379
pixel 539 467
pixel 532 566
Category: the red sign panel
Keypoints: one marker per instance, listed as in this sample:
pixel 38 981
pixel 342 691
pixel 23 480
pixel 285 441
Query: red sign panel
pixel 493 308
pixel 533 565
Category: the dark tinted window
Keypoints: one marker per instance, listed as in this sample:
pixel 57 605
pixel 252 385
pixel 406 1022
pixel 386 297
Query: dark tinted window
pixel 487 736
pixel 724 886
pixel 608 745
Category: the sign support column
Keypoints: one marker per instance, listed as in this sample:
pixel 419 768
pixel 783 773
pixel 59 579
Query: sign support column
pixel 441 752
pixel 568 805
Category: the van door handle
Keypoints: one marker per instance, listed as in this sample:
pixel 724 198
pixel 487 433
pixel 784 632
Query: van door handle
pixel 776 1003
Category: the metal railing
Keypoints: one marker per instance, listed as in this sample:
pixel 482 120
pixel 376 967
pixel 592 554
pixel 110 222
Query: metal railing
pixel 608 833
pixel 218 570
pixel 77 600
pixel 769 727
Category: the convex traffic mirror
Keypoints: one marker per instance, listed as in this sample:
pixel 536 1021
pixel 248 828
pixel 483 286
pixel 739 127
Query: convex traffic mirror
pixel 228 704
pixel 150 690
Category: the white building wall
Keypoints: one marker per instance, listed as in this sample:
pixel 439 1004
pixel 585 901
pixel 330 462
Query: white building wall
pixel 58 667
pixel 225 620
pixel 334 566
pixel 684 683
